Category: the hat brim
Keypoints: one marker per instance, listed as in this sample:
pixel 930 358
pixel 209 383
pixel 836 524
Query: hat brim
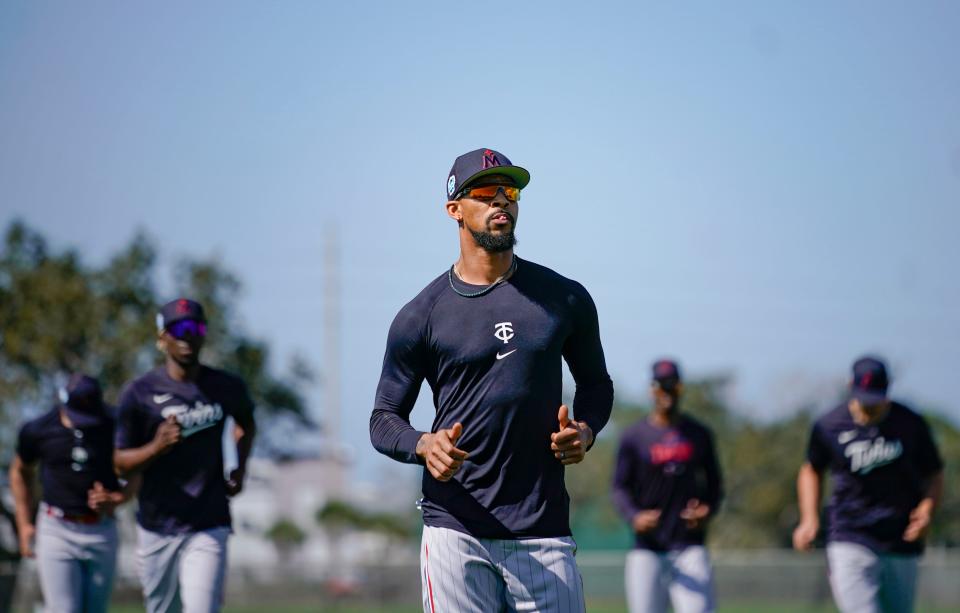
pixel 520 176
pixel 869 397
pixel 82 419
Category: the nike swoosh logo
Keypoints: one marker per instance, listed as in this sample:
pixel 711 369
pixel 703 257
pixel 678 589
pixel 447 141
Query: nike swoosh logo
pixel 845 437
pixel 161 398
pixel 185 432
pixel 500 356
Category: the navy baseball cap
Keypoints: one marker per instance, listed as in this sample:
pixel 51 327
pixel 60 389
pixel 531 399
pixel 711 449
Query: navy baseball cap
pixel 82 400
pixel 481 163
pixel 870 380
pixel 177 310
pixel 666 374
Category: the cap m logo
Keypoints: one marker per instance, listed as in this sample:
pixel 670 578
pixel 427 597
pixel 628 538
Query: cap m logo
pixel 490 159
pixel 182 307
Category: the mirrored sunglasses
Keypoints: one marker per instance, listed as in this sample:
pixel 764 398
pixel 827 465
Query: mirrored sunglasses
pixel 489 192
pixel 187 327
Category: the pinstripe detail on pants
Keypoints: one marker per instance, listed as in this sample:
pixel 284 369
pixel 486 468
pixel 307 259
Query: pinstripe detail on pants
pixel 470 575
pixel 426 574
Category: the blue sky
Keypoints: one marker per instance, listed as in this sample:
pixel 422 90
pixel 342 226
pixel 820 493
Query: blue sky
pixel 766 189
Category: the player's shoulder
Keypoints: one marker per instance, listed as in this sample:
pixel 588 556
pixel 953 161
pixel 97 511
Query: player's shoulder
pixel 551 286
pixel 137 388
pixel 418 309
pixel 837 416
pixel 40 424
pixel 902 412
pixel 692 424
pixel 222 378
pixel 544 274
pixel 637 430
pixel 219 375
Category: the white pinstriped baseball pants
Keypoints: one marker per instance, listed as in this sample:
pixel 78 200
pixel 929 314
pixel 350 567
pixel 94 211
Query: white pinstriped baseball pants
pixel 463 574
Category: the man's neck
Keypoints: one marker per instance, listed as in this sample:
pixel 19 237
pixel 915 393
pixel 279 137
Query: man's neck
pixel 182 372
pixel 864 417
pixel 480 267
pixel 65 419
pixel 663 419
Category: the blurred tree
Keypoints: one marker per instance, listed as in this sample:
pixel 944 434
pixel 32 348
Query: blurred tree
pixel 58 315
pixel 286 536
pixel 946 523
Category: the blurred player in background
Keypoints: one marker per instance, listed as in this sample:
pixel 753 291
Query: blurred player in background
pixel 170 430
pixel 76 534
pixel 489 336
pixel 667 485
pixel 887 481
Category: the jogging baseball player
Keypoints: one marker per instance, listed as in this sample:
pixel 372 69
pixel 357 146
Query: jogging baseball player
pixel 887 481
pixel 489 336
pixel 667 485
pixel 170 429
pixel 75 531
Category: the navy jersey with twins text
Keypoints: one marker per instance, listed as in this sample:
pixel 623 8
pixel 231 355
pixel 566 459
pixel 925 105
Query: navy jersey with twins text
pixel 494 363
pixel 879 473
pixel 183 490
pixel 663 468
pixel 71 459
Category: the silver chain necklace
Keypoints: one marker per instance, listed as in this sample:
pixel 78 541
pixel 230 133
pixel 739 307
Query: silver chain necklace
pixel 487 289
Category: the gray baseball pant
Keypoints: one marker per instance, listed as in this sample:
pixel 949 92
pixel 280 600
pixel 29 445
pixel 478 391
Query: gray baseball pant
pixel 864 581
pixel 76 563
pixel 684 577
pixel 183 572
pixel 463 574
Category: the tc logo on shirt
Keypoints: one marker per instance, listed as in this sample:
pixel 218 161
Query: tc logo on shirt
pixel 504 331
pixel 867 455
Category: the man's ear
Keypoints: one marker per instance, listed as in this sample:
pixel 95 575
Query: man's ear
pixel 454 212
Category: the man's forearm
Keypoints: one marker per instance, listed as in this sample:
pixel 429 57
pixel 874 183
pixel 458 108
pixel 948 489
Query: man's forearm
pixel 393 436
pixel 808 494
pixel 21 481
pixel 135 459
pixel 934 493
pixel 244 435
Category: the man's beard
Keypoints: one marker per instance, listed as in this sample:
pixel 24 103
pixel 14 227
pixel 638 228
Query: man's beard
pixel 495 243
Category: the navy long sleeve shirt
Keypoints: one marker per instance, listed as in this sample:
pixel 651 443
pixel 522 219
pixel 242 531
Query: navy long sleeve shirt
pixel 663 468
pixel 494 364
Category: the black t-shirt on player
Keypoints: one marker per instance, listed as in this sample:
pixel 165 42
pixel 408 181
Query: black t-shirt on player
pixel 71 459
pixel 878 471
pixel 183 490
